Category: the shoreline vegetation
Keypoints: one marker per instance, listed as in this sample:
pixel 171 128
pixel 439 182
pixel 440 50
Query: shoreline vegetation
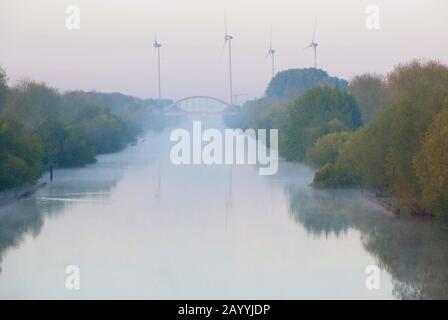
pixel 41 127
pixel 387 134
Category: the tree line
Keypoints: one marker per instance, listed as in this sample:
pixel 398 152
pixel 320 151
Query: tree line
pixel 386 133
pixel 41 127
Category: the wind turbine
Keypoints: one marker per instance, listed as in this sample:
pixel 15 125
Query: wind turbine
pixel 271 52
pixel 228 39
pixel 157 46
pixel 314 45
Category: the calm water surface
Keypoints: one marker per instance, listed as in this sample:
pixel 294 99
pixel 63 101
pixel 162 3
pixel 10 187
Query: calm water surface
pixel 139 227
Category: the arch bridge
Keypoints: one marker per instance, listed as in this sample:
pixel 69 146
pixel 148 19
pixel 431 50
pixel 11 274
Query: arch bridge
pixel 200 105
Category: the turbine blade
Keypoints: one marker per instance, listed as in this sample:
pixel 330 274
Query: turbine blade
pixel 225 24
pixel 155 44
pixel 270 45
pixel 224 45
pixel 314 34
pixel 154 55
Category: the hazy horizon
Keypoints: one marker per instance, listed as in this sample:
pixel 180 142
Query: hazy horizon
pixel 112 51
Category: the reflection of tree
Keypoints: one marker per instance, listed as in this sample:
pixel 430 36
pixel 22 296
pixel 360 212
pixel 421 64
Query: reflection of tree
pixel 27 217
pixel 18 221
pixel 413 251
pixel 319 213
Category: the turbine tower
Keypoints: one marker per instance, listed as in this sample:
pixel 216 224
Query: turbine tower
pixel 157 46
pixel 228 39
pixel 271 52
pixel 314 45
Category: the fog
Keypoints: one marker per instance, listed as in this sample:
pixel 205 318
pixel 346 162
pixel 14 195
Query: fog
pixel 112 50
pixel 140 227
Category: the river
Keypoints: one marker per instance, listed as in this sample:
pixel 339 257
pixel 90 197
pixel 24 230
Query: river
pixel 138 226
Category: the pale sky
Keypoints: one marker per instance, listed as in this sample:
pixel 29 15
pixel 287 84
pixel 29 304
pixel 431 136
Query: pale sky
pixel 112 50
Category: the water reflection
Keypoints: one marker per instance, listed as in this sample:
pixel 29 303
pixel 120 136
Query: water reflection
pixel 319 212
pixel 13 227
pixel 27 216
pixel 413 251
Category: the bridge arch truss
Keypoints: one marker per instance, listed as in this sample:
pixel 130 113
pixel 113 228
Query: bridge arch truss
pixel 200 105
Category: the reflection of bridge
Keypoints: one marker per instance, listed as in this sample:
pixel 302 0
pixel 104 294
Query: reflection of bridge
pixel 200 105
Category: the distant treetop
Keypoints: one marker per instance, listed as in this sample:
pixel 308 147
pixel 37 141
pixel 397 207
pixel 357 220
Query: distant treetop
pixel 294 82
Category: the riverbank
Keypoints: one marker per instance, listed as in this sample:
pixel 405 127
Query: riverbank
pixel 11 195
pixel 387 205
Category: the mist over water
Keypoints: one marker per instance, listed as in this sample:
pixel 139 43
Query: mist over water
pixel 140 227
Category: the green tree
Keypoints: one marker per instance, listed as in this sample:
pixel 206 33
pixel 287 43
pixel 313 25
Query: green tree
pixel 3 88
pixel 53 134
pixel 76 151
pixel 318 112
pixel 106 133
pixel 20 155
pixel 431 165
pixel 326 149
pixel 419 91
pixel 32 103
pixel 370 92
pixel 294 82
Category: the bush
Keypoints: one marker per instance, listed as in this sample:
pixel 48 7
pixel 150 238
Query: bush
pixel 331 175
pixel 326 149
